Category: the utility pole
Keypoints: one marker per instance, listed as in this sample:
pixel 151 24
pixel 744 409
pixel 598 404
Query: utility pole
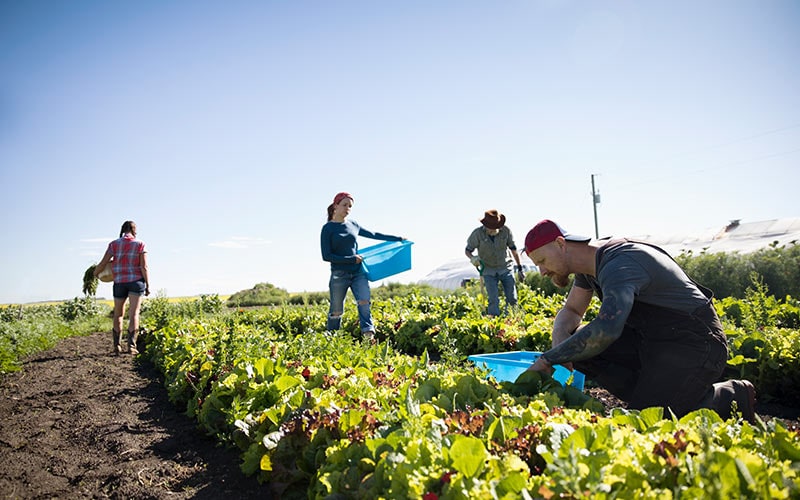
pixel 595 202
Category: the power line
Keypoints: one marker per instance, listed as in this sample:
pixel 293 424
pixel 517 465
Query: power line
pixel 723 165
pixel 737 141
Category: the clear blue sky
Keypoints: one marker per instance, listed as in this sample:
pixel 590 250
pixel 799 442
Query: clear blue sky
pixel 225 128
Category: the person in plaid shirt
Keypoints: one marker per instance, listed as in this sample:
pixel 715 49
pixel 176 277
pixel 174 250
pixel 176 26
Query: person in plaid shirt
pixel 128 259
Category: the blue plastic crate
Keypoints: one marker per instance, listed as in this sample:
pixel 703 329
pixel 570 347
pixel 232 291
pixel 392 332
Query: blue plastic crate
pixel 386 259
pixel 509 365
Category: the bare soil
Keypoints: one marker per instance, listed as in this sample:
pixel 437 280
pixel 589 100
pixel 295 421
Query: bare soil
pixel 77 422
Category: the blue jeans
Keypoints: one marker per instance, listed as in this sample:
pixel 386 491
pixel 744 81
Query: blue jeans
pixel 358 283
pixel 493 275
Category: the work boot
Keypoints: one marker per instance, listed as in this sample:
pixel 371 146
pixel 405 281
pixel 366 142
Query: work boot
pixel 745 399
pixel 742 393
pixel 115 334
pixel 132 337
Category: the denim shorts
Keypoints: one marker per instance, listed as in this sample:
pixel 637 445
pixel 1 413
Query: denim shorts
pixel 124 290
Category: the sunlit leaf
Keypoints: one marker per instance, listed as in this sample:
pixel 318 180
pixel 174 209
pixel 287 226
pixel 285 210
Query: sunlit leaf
pixel 468 455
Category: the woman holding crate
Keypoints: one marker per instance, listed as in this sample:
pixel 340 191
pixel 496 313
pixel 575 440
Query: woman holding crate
pixel 339 244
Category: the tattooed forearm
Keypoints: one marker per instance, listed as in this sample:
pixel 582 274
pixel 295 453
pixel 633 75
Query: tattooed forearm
pixel 596 336
pixel 585 343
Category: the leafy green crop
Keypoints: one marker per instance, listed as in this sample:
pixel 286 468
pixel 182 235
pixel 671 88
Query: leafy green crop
pixel 323 415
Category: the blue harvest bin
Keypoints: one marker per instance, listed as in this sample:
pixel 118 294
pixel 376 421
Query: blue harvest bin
pixel 386 259
pixel 509 365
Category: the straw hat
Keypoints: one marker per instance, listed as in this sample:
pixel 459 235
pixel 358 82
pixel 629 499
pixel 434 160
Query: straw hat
pixel 106 274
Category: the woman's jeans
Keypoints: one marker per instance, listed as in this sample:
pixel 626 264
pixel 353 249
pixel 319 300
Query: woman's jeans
pixel 493 275
pixel 358 283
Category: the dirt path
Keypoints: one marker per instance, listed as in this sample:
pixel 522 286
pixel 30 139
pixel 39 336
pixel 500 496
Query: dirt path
pixel 79 423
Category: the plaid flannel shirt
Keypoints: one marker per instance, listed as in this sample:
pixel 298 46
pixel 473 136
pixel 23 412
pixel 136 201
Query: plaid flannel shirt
pixel 127 251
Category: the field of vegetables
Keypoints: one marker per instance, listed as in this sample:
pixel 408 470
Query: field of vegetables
pixel 327 415
pixel 316 414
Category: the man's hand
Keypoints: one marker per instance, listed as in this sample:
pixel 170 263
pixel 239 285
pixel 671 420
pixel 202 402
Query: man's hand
pixel 520 273
pixel 475 260
pixel 542 365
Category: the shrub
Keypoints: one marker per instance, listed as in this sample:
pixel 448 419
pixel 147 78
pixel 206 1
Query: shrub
pixel 780 268
pixel 309 298
pixel 157 310
pixel 263 294
pixel 728 274
pixel 78 308
pixel 535 281
pixel 210 304
pixel 394 290
pixel 724 273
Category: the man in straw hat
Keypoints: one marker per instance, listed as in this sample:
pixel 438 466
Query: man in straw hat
pixel 493 240
pixel 656 341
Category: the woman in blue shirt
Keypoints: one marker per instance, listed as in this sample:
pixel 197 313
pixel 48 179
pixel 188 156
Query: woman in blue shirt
pixel 340 247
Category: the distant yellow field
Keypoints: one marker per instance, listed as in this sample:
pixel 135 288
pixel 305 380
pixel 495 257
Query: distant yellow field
pixel 110 302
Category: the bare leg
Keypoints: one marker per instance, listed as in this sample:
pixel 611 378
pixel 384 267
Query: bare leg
pixel 116 323
pixel 133 322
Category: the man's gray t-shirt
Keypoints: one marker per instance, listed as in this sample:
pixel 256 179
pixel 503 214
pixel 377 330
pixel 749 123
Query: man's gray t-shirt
pixel 654 277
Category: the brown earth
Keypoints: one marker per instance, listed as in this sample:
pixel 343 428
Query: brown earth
pixel 77 422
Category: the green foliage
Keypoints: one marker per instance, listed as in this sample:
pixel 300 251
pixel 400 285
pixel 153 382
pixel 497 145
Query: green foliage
pixel 263 294
pixel 399 290
pixel 323 415
pixel 25 330
pixel 14 312
pixel 780 269
pixel 771 359
pixel 724 273
pixel 778 366
pixel 79 308
pixel 543 284
pixel 728 274
pixel 309 298
pixel 759 308
pixel 762 349
pixel 90 281
pixel 210 304
pixel 157 311
pixel 760 305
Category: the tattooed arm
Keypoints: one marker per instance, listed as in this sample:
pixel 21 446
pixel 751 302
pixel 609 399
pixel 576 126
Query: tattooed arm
pixel 570 316
pixel 594 337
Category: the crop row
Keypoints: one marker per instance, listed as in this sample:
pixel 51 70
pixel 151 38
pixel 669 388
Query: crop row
pixel 324 415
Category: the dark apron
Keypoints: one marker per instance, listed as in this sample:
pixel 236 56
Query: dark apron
pixel 664 357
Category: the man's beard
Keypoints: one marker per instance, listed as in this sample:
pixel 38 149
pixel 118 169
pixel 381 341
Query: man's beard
pixel 559 280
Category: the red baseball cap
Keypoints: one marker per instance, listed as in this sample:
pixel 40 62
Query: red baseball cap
pixel 547 231
pixel 340 196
